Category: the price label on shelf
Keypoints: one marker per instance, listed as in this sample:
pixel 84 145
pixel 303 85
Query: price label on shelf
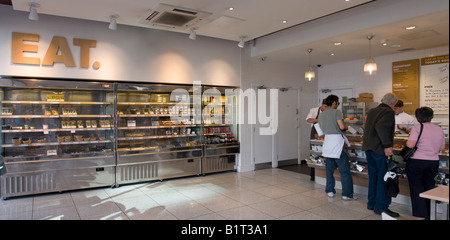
pixel 51 153
pixel 131 123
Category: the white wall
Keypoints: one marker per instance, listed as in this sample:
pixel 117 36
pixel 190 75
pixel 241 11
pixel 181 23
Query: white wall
pixel 128 54
pixel 350 74
pixel 274 74
pixel 146 55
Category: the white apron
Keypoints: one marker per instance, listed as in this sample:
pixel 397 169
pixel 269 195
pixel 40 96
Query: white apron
pixel 333 145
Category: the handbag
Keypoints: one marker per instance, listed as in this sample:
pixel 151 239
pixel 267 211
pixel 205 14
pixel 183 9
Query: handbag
pixel 407 152
pixel 390 178
pixel 391 186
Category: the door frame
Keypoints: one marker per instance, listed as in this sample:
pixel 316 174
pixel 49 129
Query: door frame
pixel 274 147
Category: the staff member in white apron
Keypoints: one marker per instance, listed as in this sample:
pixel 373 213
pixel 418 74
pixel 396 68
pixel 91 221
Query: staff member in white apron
pixel 332 124
pixel 313 118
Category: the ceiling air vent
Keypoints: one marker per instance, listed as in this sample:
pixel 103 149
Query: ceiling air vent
pixel 167 16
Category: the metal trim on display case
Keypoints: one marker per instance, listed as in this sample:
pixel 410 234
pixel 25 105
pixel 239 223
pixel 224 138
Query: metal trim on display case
pixel 157 170
pixel 30 183
pixel 221 149
pixel 59 164
pixel 221 163
pixel 140 157
pixel 63 84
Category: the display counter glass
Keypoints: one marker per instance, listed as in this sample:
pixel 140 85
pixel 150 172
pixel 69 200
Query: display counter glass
pixel 48 127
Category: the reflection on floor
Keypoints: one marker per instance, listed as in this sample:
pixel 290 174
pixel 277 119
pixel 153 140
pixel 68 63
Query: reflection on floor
pixel 262 194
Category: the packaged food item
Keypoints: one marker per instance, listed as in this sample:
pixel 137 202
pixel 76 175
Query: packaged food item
pixel 16 141
pixel 6 111
pixel 54 111
pixel 93 124
pixel 47 111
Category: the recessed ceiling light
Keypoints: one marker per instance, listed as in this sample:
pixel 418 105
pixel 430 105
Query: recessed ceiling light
pixel 332 54
pixel 231 8
pixel 337 43
pixel 284 21
pixel 410 27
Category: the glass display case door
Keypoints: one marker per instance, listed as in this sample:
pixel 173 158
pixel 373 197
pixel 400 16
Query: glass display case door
pixel 50 127
pixel 220 129
pixel 158 132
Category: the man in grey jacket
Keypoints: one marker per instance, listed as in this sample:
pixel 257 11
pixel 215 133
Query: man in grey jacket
pixel 378 140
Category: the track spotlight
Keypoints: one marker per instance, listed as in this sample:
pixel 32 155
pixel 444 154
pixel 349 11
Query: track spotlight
pixel 33 12
pixel 113 22
pixel 241 43
pixel 193 35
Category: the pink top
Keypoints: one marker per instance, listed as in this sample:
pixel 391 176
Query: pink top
pixel 429 143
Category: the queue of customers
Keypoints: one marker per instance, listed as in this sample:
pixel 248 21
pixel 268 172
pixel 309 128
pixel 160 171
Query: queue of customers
pixel 378 140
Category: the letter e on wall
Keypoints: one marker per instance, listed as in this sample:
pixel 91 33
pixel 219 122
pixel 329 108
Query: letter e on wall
pixel 19 47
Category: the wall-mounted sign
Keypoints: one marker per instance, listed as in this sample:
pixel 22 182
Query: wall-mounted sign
pixel 405 83
pixel 435 84
pixel 57 52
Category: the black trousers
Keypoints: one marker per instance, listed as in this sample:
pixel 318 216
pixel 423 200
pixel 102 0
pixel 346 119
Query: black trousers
pixel 421 175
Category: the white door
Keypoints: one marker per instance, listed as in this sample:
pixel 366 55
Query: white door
pixel 343 92
pixel 286 138
pixel 263 150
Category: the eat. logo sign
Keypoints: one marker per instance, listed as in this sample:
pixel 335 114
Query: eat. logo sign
pixel 57 52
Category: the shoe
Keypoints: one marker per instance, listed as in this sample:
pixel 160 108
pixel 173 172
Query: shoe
pixel 388 212
pixel 370 208
pixel 349 198
pixel 330 194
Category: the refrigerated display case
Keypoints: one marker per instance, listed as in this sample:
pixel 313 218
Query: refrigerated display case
pixel 158 132
pixel 220 129
pixel 56 135
pixel 59 135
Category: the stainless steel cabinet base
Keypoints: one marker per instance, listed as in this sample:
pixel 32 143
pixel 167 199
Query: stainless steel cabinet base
pixel 218 164
pixel 219 157
pixel 157 170
pixel 20 184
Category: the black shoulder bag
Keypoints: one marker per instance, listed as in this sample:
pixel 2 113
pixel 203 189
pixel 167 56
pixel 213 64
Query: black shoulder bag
pixel 407 152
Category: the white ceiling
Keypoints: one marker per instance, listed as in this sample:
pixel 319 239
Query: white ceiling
pixel 260 19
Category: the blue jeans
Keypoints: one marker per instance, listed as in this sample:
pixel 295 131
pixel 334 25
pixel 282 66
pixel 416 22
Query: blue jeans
pixel 378 200
pixel 346 177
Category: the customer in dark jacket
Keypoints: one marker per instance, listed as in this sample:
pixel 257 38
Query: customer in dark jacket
pixel 378 140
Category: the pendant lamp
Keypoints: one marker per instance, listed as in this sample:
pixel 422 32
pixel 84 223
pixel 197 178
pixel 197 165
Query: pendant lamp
pixel 370 68
pixel 310 74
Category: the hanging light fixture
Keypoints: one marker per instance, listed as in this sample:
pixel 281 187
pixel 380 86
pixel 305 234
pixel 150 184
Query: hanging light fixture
pixel 113 22
pixel 310 74
pixel 241 43
pixel 33 12
pixel 370 68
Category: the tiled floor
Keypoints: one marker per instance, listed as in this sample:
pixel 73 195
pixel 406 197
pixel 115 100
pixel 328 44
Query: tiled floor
pixel 262 194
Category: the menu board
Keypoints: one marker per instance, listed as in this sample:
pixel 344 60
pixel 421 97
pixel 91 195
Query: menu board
pixel 405 83
pixel 435 84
